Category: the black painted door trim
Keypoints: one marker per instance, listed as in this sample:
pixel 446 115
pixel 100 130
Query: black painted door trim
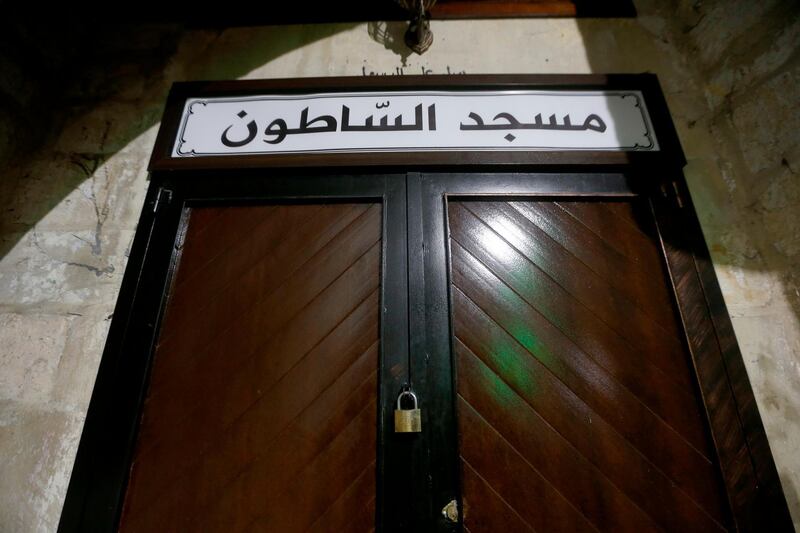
pixel 419 472
pixel 747 468
pixel 99 478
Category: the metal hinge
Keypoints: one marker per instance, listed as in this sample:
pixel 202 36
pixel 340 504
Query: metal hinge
pixel 163 197
pixel 450 511
pixel 672 190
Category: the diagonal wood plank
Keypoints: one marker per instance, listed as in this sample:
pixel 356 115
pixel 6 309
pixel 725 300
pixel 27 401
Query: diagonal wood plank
pixel 552 311
pixel 614 403
pixel 279 274
pixel 608 428
pixel 662 345
pixel 639 479
pixel 333 359
pixel 309 327
pixel 565 309
pixel 274 450
pixel 534 331
pixel 339 516
pixel 279 305
pixel 507 418
pixel 624 226
pixel 261 410
pixel 491 510
pixel 514 478
pixel 612 266
pixel 549 253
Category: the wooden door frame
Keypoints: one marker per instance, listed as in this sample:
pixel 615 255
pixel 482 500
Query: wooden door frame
pixel 753 489
pixel 432 348
pixel 99 476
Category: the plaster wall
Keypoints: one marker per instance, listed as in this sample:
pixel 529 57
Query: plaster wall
pixel 71 197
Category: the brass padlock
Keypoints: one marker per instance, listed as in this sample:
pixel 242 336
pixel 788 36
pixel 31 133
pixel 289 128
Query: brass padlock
pixel 407 420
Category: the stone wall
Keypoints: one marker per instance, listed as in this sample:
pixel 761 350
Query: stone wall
pixel 745 58
pixel 73 190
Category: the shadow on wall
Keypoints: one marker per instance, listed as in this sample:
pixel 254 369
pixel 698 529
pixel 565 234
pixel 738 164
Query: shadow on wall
pixel 729 71
pixel 79 101
pixel 76 94
pixel 84 92
pixel 391 35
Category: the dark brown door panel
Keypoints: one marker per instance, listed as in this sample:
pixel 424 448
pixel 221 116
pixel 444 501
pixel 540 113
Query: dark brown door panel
pixel 577 403
pixel 261 414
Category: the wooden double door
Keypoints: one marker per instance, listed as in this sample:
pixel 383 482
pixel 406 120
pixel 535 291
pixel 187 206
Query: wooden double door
pixel 532 314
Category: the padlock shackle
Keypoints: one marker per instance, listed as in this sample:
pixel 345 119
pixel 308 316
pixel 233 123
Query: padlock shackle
pixel 407 393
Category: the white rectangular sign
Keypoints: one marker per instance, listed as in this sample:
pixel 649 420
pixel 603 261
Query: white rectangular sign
pixel 414 121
